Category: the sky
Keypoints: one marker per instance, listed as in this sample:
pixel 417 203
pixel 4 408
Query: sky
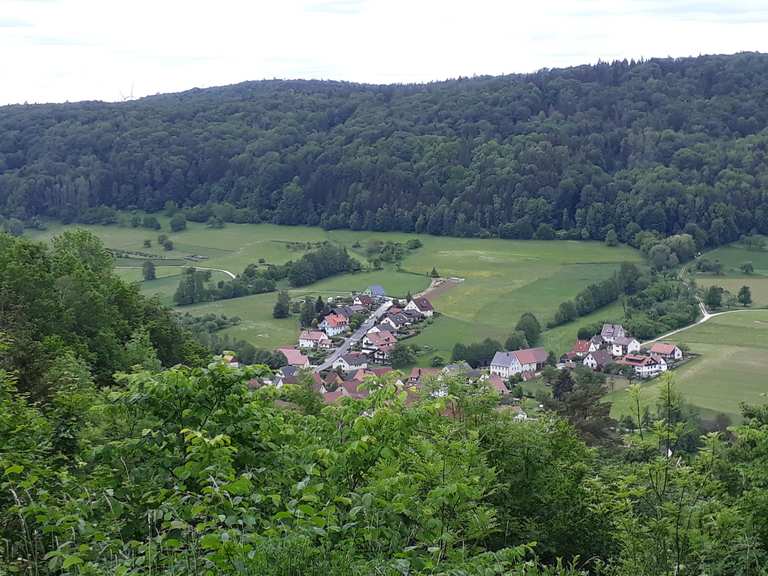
pixel 69 50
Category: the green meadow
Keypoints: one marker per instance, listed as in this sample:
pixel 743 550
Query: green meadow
pixel 758 286
pixel 731 368
pixel 501 278
pixel 733 256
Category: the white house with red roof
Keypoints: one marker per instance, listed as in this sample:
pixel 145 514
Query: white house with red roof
pixel 667 351
pixel 422 305
pixel 506 364
pixel 314 339
pixel 334 324
pixel 644 366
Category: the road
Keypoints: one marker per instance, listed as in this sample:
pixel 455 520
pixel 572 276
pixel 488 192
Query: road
pixel 705 315
pixel 356 336
pixel 227 272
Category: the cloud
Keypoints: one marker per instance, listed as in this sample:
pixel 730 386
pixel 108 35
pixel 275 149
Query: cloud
pixel 14 23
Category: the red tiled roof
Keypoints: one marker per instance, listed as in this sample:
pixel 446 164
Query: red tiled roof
pixel 531 356
pixel 331 397
pixel 335 320
pixel 663 348
pixel 294 357
pixel 581 347
pixel 497 383
pixel 312 335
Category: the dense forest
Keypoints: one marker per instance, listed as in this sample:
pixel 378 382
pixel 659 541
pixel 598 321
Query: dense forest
pixel 664 145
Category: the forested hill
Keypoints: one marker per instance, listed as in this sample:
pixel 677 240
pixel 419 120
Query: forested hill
pixel 665 145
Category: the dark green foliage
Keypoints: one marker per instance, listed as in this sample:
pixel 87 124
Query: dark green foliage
pixel 611 238
pixel 178 222
pixel 148 270
pixel 282 307
pixel 477 354
pixel 713 296
pixel 403 355
pixel 516 341
pixel 192 287
pixel 529 325
pixel 748 268
pixel 66 298
pixel 745 296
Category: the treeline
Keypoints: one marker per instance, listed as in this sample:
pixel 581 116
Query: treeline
pixel 595 296
pixel 328 260
pixel 665 146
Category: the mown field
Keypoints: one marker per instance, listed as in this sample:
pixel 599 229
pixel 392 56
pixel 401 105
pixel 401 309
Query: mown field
pixel 758 286
pixel 731 368
pixel 502 278
pixel 733 256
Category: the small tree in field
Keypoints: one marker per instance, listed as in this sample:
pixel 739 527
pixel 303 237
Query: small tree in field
pixel 434 273
pixel 283 305
pixel 745 296
pixel 148 270
pixel 748 268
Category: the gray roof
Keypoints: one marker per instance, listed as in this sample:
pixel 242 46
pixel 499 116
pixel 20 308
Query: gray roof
pixel 602 357
pixel 507 359
pixel 457 367
pixel 624 340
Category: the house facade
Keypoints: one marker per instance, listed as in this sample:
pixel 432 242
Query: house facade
pixel 334 324
pixel 667 351
pixel 314 339
pixel 625 345
pixel 610 332
pixel 598 359
pixel 351 362
pixel 505 364
pixel 421 305
pixel 644 366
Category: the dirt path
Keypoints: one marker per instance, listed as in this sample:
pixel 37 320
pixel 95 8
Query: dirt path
pixel 438 286
pixel 227 272
pixel 705 315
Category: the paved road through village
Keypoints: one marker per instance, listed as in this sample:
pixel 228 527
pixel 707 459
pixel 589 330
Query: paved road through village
pixel 356 336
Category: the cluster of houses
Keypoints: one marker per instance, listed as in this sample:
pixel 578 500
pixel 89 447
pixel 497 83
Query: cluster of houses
pixel 394 320
pixel 615 347
pixel 350 382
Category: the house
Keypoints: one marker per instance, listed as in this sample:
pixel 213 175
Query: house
pixel 334 324
pixel 286 375
pixel 314 339
pixel 644 366
pixel 351 361
pixel 331 397
pixel 667 351
pixel 417 374
pixel 363 300
pixel 612 331
pixel 421 305
pixel 532 359
pixel 457 368
pixel 375 291
pixel 294 357
pixel 580 349
pixel 596 343
pixel 505 364
pixel 380 345
pixel 345 311
pixel 625 345
pixel 393 323
pixel 351 389
pixel 317 384
pixel 497 383
pixel 598 359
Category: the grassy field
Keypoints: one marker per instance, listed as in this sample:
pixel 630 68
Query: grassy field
pixel 502 278
pixel 733 256
pixel 758 286
pixel 731 368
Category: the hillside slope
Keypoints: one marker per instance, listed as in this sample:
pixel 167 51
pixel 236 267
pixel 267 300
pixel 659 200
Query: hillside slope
pixel 656 145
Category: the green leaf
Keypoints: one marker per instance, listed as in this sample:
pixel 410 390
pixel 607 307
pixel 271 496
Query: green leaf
pixel 210 542
pixel 71 561
pixel 15 469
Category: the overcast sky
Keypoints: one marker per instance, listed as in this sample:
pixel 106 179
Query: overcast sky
pixel 58 50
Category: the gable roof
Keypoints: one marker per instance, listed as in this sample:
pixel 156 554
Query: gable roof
pixel 624 340
pixel 418 373
pixel 335 320
pixel 581 347
pixel 601 357
pixel 506 359
pixel 423 303
pixel 638 360
pixel 294 357
pixel 497 383
pixel 355 358
pixel 663 348
pixel 382 338
pixel 610 330
pixel 314 335
pixel 531 355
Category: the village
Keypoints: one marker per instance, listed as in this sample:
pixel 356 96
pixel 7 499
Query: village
pixel 357 337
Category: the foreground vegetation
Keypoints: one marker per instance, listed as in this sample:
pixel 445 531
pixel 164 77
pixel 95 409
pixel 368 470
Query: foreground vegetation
pixel 126 449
